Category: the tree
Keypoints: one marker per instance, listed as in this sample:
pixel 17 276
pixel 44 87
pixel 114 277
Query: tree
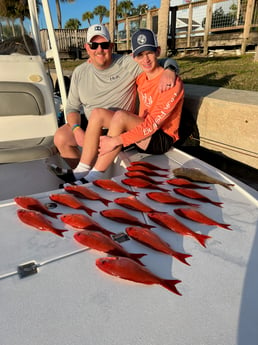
pixel 124 8
pixel 58 10
pixel 13 9
pixel 87 16
pixel 220 19
pixel 72 24
pixel 101 11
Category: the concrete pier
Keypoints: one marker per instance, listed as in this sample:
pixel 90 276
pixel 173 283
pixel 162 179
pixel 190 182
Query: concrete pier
pixel 227 120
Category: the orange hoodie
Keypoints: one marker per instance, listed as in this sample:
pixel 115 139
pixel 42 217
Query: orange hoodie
pixel 159 110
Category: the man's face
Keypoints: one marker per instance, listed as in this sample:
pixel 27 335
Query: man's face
pixel 101 57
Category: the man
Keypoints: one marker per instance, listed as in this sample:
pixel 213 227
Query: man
pixel 108 82
pixel 154 130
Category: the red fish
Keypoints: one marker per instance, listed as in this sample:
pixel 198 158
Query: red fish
pixel 167 198
pixel 86 193
pixel 97 240
pixel 81 221
pixel 128 269
pixel 143 176
pixel 182 182
pixel 132 203
pixel 199 217
pixel 112 186
pixel 33 204
pixel 146 170
pixel 173 224
pixel 148 165
pixel 70 201
pixel 192 194
pixel 37 220
pixel 121 216
pixel 141 183
pixel 152 240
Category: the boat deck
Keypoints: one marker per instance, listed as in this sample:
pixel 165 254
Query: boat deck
pixel 69 301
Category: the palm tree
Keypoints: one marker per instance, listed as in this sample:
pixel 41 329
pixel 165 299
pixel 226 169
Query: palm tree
pixel 72 24
pixel 124 8
pixel 87 16
pixel 101 11
pixel 13 9
pixel 58 10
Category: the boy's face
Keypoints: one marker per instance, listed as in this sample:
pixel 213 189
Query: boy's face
pixel 100 57
pixel 147 60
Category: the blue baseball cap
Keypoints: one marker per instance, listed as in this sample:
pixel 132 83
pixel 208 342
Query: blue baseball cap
pixel 142 40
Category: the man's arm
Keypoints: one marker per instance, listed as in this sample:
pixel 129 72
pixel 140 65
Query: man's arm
pixel 170 64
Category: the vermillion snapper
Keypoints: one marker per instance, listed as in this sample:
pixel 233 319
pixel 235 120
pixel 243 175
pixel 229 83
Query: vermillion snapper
pixel 33 204
pixel 128 269
pixel 38 221
pixel 101 242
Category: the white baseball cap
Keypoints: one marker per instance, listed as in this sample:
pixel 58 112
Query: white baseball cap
pixel 97 30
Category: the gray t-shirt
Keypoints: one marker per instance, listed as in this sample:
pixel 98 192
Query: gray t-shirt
pixel 112 88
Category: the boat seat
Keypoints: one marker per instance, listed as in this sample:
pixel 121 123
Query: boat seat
pixel 27 127
pixel 26 150
pixel 19 98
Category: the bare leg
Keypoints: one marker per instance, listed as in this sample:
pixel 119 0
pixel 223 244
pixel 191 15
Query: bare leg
pixel 67 146
pixel 99 119
pixel 122 121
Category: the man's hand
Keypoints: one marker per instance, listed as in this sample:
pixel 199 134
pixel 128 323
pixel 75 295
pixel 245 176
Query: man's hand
pixel 108 144
pixel 167 80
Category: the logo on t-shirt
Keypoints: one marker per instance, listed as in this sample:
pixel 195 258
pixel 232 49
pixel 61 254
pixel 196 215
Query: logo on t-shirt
pixel 114 77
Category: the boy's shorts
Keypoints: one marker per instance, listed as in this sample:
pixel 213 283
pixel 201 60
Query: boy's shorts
pixel 160 143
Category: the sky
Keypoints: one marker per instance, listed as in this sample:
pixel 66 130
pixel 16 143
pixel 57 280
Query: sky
pixel 78 7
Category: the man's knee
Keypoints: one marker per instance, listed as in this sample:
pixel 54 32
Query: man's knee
pixel 62 135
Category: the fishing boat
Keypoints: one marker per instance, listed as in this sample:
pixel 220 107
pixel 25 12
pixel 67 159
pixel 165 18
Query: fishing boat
pixel 51 290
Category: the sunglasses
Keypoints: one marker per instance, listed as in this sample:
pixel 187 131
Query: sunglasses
pixel 94 45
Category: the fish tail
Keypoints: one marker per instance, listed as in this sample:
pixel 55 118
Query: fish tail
pixel 54 215
pixel 107 232
pixel 150 226
pixel 202 239
pixel 219 204
pixel 182 257
pixel 59 232
pixel 170 285
pixel 133 193
pixel 136 257
pixel 227 185
pixel 225 226
pixel 106 201
pixel 88 210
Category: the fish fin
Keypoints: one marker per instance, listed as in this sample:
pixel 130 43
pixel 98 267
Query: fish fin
pixel 170 285
pixel 58 232
pixel 182 257
pixel 202 238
